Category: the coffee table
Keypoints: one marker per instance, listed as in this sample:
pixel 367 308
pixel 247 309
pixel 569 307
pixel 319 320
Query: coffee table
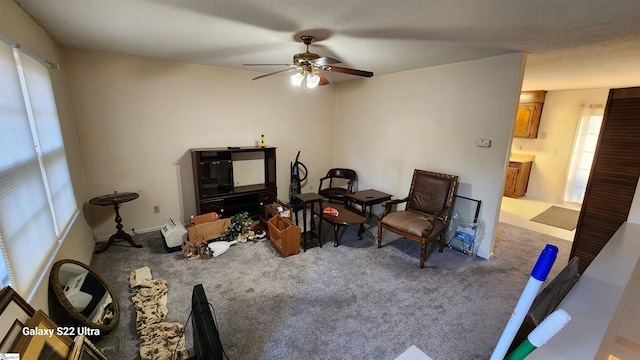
pixel 368 198
pixel 347 215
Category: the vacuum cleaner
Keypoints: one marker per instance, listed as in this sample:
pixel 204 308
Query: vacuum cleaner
pixel 296 180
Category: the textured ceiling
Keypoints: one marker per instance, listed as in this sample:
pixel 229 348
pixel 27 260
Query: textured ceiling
pixel 572 44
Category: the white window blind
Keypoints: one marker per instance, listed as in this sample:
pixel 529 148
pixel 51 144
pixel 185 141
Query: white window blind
pixel 37 202
pixel 584 149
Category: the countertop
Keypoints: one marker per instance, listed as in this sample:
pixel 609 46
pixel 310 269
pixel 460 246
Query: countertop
pixel 522 158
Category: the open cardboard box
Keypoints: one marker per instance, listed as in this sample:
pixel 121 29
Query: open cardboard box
pixel 271 210
pixel 208 230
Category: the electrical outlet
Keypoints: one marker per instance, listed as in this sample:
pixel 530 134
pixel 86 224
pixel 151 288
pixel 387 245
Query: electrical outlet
pixel 156 209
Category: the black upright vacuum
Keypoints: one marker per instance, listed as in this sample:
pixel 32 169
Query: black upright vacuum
pixel 295 184
pixel 296 180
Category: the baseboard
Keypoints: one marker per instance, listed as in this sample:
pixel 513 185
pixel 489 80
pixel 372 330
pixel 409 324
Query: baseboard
pixel 135 232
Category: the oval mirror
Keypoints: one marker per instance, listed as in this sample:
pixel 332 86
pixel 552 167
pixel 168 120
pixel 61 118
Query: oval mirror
pixel 79 297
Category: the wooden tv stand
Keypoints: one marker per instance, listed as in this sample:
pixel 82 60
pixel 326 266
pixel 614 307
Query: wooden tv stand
pixel 220 174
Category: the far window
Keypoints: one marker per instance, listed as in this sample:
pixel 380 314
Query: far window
pixel 584 149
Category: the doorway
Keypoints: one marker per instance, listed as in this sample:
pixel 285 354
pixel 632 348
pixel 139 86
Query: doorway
pixel 584 148
pixel 580 146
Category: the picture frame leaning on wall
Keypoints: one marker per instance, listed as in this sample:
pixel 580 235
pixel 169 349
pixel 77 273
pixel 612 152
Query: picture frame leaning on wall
pixel 83 349
pixel 14 314
pixel 55 346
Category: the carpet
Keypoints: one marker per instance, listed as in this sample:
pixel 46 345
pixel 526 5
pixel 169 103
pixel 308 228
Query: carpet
pixel 354 301
pixel 559 217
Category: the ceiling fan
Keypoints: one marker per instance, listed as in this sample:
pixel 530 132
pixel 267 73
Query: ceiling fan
pixel 308 68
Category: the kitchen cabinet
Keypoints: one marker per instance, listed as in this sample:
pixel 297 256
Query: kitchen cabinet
pixel 517 177
pixel 529 112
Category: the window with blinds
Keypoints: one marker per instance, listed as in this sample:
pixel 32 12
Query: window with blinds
pixel 37 203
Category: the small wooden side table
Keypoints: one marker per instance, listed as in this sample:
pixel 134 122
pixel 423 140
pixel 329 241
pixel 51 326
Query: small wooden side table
pixel 115 200
pixel 368 198
pixel 309 199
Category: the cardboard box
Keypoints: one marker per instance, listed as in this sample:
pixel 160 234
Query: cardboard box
pixel 278 208
pixel 209 230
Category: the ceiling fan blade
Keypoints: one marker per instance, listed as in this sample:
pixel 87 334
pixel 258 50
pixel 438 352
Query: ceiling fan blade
pixel 274 73
pixel 348 71
pixel 268 64
pixel 325 60
pixel 323 79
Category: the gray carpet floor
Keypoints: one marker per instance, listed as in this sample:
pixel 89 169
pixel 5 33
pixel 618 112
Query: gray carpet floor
pixel 354 301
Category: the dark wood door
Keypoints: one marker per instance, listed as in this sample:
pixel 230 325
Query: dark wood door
pixel 614 176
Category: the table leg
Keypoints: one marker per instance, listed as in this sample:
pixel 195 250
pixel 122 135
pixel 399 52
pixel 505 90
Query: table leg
pixel 363 208
pixel 304 226
pixel 120 234
pixel 335 235
pixel 360 231
pixel 319 224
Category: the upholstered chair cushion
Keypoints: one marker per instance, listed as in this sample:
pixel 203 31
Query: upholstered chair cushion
pixel 412 222
pixel 432 196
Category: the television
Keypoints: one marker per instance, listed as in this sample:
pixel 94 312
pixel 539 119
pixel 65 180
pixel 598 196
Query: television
pixel 206 340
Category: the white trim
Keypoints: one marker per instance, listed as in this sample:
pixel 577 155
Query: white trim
pixel 138 231
pixel 45 273
pixel 51 65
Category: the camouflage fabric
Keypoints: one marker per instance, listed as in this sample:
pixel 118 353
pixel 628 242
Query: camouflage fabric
pixel 158 339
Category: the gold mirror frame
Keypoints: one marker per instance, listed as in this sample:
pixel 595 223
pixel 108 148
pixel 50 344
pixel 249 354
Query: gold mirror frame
pixel 65 304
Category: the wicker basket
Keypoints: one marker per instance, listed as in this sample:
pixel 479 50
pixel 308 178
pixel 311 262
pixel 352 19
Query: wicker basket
pixel 284 235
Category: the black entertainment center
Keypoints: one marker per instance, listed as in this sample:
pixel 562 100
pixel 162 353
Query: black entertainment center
pixel 232 180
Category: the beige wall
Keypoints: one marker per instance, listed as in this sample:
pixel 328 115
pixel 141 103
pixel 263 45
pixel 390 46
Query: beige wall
pixel 19 27
pixel 430 119
pixel 137 118
pixel 559 122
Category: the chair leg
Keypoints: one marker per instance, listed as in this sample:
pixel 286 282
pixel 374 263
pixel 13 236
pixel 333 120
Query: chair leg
pixel 423 253
pixel 441 242
pixel 379 236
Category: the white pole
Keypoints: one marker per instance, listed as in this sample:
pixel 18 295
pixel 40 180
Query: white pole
pixel 538 276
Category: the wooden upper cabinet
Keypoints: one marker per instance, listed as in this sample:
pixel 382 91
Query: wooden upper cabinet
pixel 529 112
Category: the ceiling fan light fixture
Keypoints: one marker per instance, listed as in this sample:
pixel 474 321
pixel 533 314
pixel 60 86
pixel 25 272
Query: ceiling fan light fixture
pixel 308 68
pixel 296 79
pixel 312 80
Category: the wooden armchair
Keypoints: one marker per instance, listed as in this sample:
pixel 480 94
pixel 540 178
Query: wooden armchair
pixel 337 191
pixel 427 212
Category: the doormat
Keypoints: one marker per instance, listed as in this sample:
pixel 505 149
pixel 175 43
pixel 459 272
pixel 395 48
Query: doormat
pixel 559 217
